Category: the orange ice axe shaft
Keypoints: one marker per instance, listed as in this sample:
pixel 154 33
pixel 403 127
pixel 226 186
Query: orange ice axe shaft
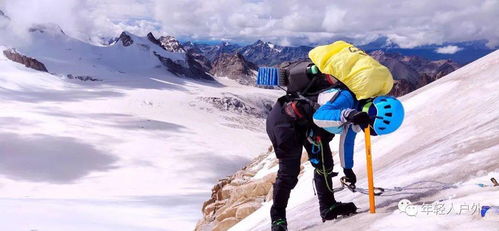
pixel 369 163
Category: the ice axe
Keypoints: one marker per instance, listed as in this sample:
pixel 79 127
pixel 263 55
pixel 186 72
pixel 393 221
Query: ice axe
pixel 370 180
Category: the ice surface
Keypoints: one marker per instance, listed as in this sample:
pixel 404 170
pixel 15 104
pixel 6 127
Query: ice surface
pixel 136 151
pixel 450 134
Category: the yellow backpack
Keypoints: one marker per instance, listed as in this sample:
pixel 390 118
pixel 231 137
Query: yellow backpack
pixel 361 73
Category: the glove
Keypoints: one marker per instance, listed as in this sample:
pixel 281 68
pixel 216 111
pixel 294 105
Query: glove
pixel 359 118
pixel 350 176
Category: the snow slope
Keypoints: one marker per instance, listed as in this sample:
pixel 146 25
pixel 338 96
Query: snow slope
pixel 450 135
pixel 139 150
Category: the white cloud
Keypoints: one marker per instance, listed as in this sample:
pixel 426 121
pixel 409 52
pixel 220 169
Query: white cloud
pixel 448 49
pixel 405 22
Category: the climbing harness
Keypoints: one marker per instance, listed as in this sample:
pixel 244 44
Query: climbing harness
pixel 317 148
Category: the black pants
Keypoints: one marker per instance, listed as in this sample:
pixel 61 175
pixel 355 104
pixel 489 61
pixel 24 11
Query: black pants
pixel 288 138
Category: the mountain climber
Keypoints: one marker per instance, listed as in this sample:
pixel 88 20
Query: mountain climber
pixel 317 106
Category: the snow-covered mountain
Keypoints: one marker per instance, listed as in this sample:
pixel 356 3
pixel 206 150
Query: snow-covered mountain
pixel 446 152
pixel 269 54
pixel 211 52
pixel 137 150
pixel 130 54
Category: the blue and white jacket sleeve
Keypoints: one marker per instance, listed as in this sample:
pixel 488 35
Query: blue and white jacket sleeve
pixel 336 105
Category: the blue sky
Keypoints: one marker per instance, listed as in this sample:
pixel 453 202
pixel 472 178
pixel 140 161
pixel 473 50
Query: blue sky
pixel 287 22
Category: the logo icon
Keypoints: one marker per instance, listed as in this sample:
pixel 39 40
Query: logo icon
pixel 407 207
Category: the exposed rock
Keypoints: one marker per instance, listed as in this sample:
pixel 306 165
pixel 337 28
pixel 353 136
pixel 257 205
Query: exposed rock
pixel 226 224
pixel 171 44
pixel 27 61
pixel 82 78
pixel 202 61
pixel 413 72
pixel 266 53
pixel 192 69
pixel 234 104
pixel 125 39
pixel 408 68
pixel 197 67
pixel 401 87
pixel 399 69
pixel 194 66
pixel 229 212
pixel 260 53
pixel 153 39
pixel 234 66
pixel 230 203
pixel 246 209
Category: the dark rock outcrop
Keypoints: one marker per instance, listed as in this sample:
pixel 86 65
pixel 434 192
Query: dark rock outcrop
pixel 82 78
pixel 193 69
pixel 399 69
pixel 171 44
pixel 153 39
pixel 125 39
pixel 197 67
pixel 234 66
pixel 232 103
pixel 194 66
pixel 27 61
pixel 204 63
pixel 402 87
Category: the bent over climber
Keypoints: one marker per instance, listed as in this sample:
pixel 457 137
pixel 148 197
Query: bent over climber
pixel 330 95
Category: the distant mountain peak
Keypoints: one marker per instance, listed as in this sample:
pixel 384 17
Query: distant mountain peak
pixel 234 66
pixel 259 42
pixel 2 14
pixel 47 28
pixel 170 43
pixel 412 72
pixel 125 39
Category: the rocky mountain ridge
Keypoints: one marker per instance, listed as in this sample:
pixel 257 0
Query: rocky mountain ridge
pixel 234 66
pixel 29 62
pixel 409 72
pixel 413 72
pixel 239 195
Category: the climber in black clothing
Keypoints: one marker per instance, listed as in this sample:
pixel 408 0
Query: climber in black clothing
pixel 290 128
pixel 342 90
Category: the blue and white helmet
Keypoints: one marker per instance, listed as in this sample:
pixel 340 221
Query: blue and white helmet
pixel 387 113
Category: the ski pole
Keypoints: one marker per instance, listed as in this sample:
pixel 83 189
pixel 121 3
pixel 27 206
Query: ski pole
pixel 370 180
